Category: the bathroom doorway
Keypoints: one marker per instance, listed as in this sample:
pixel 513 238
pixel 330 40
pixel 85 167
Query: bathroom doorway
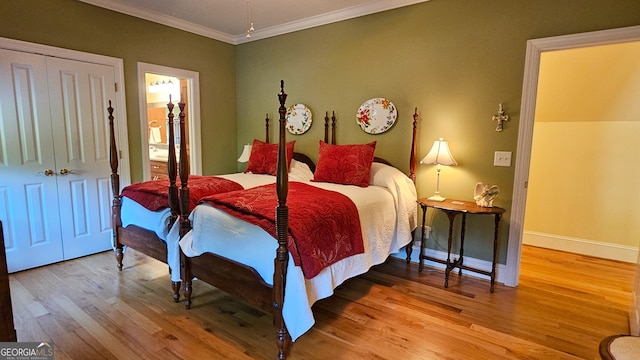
pixel 157 85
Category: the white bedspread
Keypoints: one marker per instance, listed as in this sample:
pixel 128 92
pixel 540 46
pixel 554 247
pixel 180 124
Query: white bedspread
pixel 387 211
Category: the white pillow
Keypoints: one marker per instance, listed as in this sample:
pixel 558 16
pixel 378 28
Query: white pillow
pixel 300 171
pixel 401 188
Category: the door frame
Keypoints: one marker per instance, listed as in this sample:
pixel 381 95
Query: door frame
pixel 535 48
pixel 193 81
pixel 119 106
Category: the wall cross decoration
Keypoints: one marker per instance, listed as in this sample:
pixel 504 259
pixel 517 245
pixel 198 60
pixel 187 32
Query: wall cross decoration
pixel 500 117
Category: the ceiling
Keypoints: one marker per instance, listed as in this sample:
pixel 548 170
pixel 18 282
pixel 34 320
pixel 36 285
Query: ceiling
pixel 229 20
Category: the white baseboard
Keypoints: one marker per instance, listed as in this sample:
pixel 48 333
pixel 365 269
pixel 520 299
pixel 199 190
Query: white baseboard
pixel 468 261
pixel 581 246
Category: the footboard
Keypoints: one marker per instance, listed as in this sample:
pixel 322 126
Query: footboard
pixel 234 278
pixel 144 241
pixel 132 236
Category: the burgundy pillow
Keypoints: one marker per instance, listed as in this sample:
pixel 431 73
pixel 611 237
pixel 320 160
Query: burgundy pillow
pixel 264 157
pixel 345 164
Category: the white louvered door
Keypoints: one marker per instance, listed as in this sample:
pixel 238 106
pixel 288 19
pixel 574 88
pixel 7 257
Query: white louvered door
pixel 54 182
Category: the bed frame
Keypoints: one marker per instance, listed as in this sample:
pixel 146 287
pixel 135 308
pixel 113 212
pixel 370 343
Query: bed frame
pixel 145 241
pixel 242 281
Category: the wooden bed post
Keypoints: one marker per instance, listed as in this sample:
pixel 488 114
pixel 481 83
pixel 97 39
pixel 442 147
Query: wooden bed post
pixel 266 126
pixel 173 188
pixel 185 223
pixel 414 150
pixel 172 170
pixel 116 222
pixel 326 127
pixel 282 228
pixel 412 176
pixel 333 128
pixel 331 140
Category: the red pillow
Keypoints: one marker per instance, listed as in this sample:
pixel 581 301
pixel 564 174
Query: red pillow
pixel 264 157
pixel 345 164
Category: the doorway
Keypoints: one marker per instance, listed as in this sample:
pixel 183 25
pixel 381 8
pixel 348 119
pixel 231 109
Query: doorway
pixel 157 84
pixel 525 132
pixel 584 153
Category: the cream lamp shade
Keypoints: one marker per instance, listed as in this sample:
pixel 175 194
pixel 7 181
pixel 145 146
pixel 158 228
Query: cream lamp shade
pixel 246 153
pixel 440 155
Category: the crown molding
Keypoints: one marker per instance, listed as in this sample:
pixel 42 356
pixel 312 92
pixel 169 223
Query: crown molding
pixel 327 18
pixel 319 20
pixel 163 19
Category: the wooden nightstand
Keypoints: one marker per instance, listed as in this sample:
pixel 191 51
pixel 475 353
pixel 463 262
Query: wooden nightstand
pixel 159 170
pixel 453 208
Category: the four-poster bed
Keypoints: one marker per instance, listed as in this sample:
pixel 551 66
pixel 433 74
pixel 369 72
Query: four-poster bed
pixel 146 228
pixel 270 290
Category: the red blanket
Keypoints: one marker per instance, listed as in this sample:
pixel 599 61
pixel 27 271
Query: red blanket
pixel 324 226
pixel 154 195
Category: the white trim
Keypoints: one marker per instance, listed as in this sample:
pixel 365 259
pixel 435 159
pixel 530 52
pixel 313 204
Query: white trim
pixel 193 79
pixel 119 103
pixel 468 261
pixel 323 19
pixel 581 246
pixel 163 19
pixel 525 132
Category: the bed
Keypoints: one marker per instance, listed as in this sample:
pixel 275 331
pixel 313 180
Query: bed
pixel 259 271
pixel 146 228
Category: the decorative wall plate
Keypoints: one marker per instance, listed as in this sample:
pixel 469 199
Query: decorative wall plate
pixel 298 119
pixel 376 115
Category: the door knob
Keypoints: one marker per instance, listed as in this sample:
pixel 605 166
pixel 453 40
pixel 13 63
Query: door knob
pixel 64 171
pixel 47 172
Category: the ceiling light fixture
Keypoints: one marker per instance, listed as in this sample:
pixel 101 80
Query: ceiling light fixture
pixel 250 28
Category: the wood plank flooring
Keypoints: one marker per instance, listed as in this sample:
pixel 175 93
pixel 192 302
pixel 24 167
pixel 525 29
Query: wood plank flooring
pixel 565 304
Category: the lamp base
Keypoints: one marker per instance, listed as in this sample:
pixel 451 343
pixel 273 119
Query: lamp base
pixel 436 197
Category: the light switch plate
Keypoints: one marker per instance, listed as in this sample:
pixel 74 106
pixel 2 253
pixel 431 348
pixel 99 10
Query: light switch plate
pixel 502 158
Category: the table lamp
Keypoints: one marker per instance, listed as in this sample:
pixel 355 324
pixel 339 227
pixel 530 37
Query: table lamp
pixel 246 153
pixel 440 155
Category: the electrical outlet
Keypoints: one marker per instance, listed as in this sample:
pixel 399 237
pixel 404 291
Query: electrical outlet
pixel 502 158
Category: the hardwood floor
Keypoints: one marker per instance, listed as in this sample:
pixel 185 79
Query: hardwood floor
pixel 565 304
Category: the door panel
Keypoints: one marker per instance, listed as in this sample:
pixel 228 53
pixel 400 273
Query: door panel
pixel 79 93
pixel 28 197
pixel 105 200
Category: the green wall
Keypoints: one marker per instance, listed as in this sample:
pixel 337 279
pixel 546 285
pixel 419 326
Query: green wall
pixel 455 60
pixel 79 26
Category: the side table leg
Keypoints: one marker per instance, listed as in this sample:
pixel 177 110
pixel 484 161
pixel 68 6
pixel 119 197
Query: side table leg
pixel 495 251
pixel 462 231
pixel 422 239
pixel 451 215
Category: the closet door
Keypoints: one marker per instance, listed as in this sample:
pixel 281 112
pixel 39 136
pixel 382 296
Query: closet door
pixel 28 189
pixel 79 94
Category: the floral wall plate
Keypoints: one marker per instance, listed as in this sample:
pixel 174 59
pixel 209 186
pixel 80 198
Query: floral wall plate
pixel 298 119
pixel 376 115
